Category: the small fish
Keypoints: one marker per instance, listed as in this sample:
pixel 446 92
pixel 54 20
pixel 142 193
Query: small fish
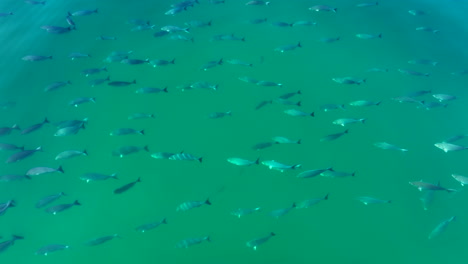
pixel 134 61
pixel 22 155
pixel 4 206
pixel 70 21
pixel 444 97
pixel 127 131
pixel 268 83
pixel 286 102
pixel 101 240
pixel 198 23
pixel 295 112
pixel 103 37
pixel 255 243
pixel 56 85
pixel 36 58
pixel 312 173
pixel 46 250
pixel 68 154
pixel 162 155
pixel 243 162
pixel 36 171
pixel 323 8
pixel 349 80
pixel 70 123
pixel 216 115
pixel 413 73
pixel 81 100
pixel 78 55
pixel 330 107
pixel 310 202
pixel 97 82
pixel 369 36
pixel 191 204
pixel 388 146
pixel 304 23
pixel 239 62
pixel 406 99
pixel 463 180
pixel 423 186
pixel 49 199
pixel 140 116
pixel 126 187
pixel 83 12
pixel 121 83
pixel 377 70
pixel 455 138
pixel 248 79
pixel 426 198
pixel 8 243
pixel 259 2
pixel 431 105
pixel 329 40
pixel 7 146
pixel 334 136
pixel 448 147
pixel 440 228
pixel 146 227
pixel 127 150
pixel 371 200
pixel 160 62
pixel 58 30
pixel 185 156
pixel 92 71
pixel 288 47
pixel 172 29
pixel 365 103
pixel 274 165
pixel 89 177
pixel 263 103
pixel 7 130
pixel 192 241
pixel 13 177
pixel 284 140
pixel 428 29
pixel 258 20
pixel 204 85
pixel 281 24
pixel 61 207
pixel 160 33
pixel 346 121
pixel 245 211
pixel 283 211
pixel 289 95
pixel 368 4
pixel 69 130
pixel 262 145
pixel 34 127
pixel 337 174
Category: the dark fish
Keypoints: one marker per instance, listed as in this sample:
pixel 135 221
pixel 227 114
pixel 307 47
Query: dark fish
pixel 22 155
pixel 148 90
pixel 46 250
pixel 334 136
pixel 185 156
pixel 13 177
pixel 192 241
pixel 289 95
pixel 34 127
pixel 121 83
pixel 263 145
pixel 146 227
pixel 83 12
pixel 422 186
pixel 312 173
pixel 57 29
pixel 134 61
pixel 101 240
pixel 216 115
pixel 61 207
pixel 7 130
pixel 56 85
pixel 127 131
pixel 263 103
pixel 88 177
pixel 127 150
pixel 4 206
pixel 7 244
pixel 6 146
pixel 126 187
pixel 49 199
pixel 70 130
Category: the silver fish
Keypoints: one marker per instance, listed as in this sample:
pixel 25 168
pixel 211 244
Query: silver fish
pixel 268 83
pixel 83 12
pixel 422 186
pixel 463 180
pixel 160 62
pixel 444 97
pixel 191 204
pixel 244 211
pixel 36 58
pixel 49 199
pixel 274 165
pixel 61 207
pixel 288 47
pixel 369 4
pixel 127 150
pixel 68 154
pixel 290 94
pixel 371 200
pixel 22 155
pixel 337 174
pixel 121 83
pixel 162 155
pixel 192 241
pixel 369 36
pixel 239 62
pixel 346 121
pixel 295 112
pixel 81 100
pixel 92 71
pixel 413 73
pixel 310 202
pixel 134 61
pixel 365 103
pixel 127 131
pixel 348 80
pixel 211 64
pixel 428 29
pixel 284 140
pixel 43 170
pixel 448 147
pixel 262 145
pixel 283 211
pixel 69 130
pixel 323 8
pixel 331 107
pixel 46 250
pixel 440 228
pixel 242 162
pixel 312 173
pixel 255 243
pixel 89 177
pixel 388 146
pixel 145 227
pixel 78 55
pixel 185 156
pixel 216 115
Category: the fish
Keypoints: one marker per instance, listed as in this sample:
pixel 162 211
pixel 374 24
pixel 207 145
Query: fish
pixel 34 127
pixel 204 85
pixel 262 145
pixel 216 115
pixel 255 243
pixel 140 116
pixel 69 130
pixel 127 131
pixel 283 211
pixel 288 47
pixel 8 243
pixel 274 165
pixel 258 2
pixel 312 173
pixel 243 162
pixel 68 154
pixel 346 121
pixel 248 79
pixel 449 147
pixel 6 14
pixel 160 33
pixel 444 97
pixel 337 174
pixel 369 36
pixel 126 187
pixel 89 177
pixel 262 104
pixel 239 62
pixel 172 29
pixel 463 180
pixel 8 147
pixel 375 69
pixel 413 73
pixel 289 95
pixel 286 102
pixel 258 20
pixel 426 198
pixel 185 156
pixel 369 4
pixel 83 12
pixel 49 199
pixel 331 107
pixel 349 80
pixel 192 241
pixel 71 123
pixel 46 250
pixel 56 85
pixel 371 200
pixel 365 103
pixel 61 207
pixel 388 146
pixel 22 155
pixel 423 62
pixel 334 136
pixel 134 61
pixel 198 23
pixel 4 206
pixel 295 112
pixel 162 155
pixel 284 140
pixel 304 23
pixel 97 82
pixel 58 30
pixel 323 8
pixel 70 21
pixel 428 29
pixel 101 240
pixel 7 130
pixel 127 150
pixel 13 177
pixel 92 71
pixel 245 211
pixel 160 62
pixel 36 58
pixel 185 206
pixel 146 227
pixel 455 138
pixel 431 105
pixel 440 228
pixel 329 40
pixel 268 83
pixel 81 100
pixel 423 186
pixel 121 83
pixel 310 202
pixel 211 64
pixel 78 55
pixel 43 170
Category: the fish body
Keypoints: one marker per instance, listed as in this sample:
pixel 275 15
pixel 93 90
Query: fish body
pixel 81 100
pixel 22 155
pixel 146 227
pixel 289 95
pixel 211 64
pixel 127 150
pixel 78 55
pixel 262 145
pixel 43 170
pixel 34 127
pixel 8 243
pixel 334 136
pixel 346 121
pixel 371 200
pixel 8 147
pixel 192 241
pixel 388 146
pixel 7 130
pixel 348 80
pixel 284 140
pixel 13 177
pixel 283 211
pixel 101 240
pixel 97 82
pixel 444 97
pixel 185 156
pixel 248 79
pixel 92 71
pixel 239 62
pixel 331 107
pixel 46 250
pixel 49 199
pixel 369 36
pixel 127 131
pixel 337 174
pixel 134 61
pixel 288 47
pixel 242 162
pixel 255 243
pixel 257 3
pixel 448 147
pixel 427 198
pixel 172 29
pixel 310 202
pixel 312 173
pixel 160 62
pixel 36 58
pixel 244 211
pixel 440 228
pixel 423 186
pixel 61 207
pixel 428 29
pixel 274 165
pixel 56 85
pixel 268 83
pixel 71 123
pixel 4 206
pixel 413 73
pixel 191 204
pixel 69 130
pixel 204 85
pixel 140 116
pixel 323 8
pixel 83 12
pixel 126 187
pixel 263 103
pixel 162 155
pixel 216 115
pixel 89 177
pixel 463 180
pixel 365 103
pixel 121 83
pixel 369 4
pixel 68 154
pixel 295 112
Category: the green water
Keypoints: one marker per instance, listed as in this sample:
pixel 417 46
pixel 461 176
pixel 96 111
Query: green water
pixel 339 230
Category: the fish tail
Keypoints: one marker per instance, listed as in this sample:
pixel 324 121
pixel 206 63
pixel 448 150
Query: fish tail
pixel 60 169
pixel 76 202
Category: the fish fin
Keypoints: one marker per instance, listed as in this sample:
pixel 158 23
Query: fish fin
pixel 60 169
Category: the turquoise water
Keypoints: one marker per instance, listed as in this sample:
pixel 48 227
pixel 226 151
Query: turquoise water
pixel 338 230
